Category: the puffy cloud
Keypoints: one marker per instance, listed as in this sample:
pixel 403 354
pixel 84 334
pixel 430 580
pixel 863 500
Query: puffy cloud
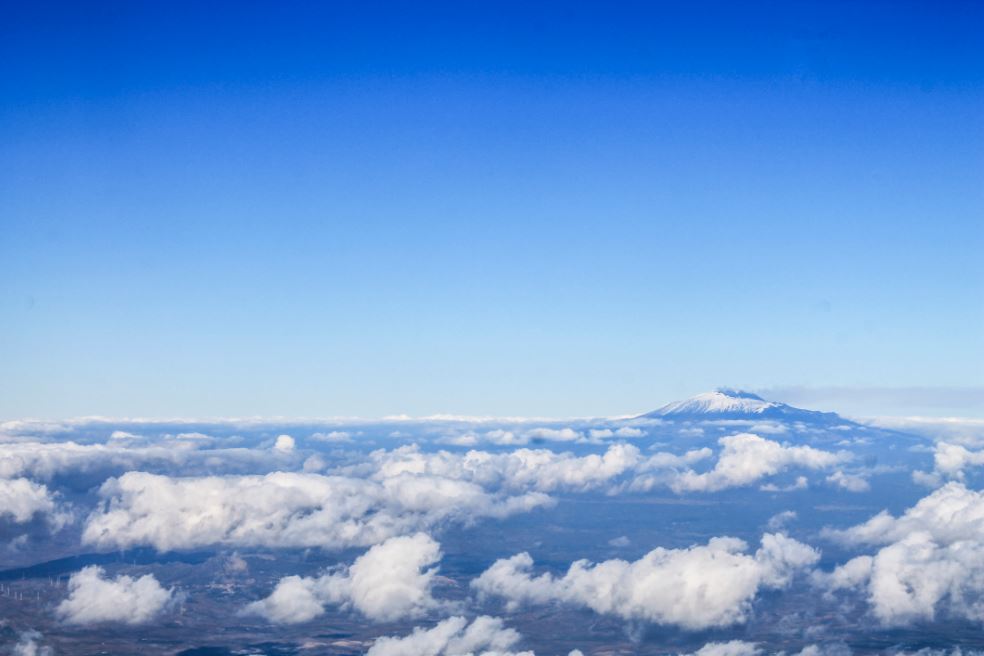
pixel 743 648
pixel 665 460
pixel 746 458
pixel 389 582
pixel 484 636
pixel 950 514
pixel 801 483
pixel 949 462
pixel 284 509
pixel 730 648
pixel 780 520
pixel 849 482
pixel 933 559
pixel 698 587
pixel 911 579
pixel 284 444
pixel 94 598
pixel 504 437
pixel 952 459
pixel 522 469
pixel 21 500
pixel 596 434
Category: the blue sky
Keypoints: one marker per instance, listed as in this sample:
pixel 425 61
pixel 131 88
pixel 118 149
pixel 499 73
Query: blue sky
pixel 486 208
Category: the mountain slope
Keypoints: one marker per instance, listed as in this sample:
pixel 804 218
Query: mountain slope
pixel 726 403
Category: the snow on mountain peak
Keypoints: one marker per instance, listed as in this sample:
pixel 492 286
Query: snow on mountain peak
pixel 721 401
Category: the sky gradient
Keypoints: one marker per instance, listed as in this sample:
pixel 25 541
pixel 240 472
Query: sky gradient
pixel 487 208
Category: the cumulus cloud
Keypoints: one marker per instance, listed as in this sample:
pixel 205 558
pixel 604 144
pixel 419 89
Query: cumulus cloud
pixel 284 444
pixel 744 460
pixel 801 483
pixel 730 648
pixel 21 500
pixel 484 636
pixel 780 520
pixel 849 482
pixel 950 460
pixel 747 458
pixel 94 598
pixel 389 582
pixel 950 514
pixel 698 587
pixel 933 559
pixel 743 648
pixel 523 469
pixel 284 509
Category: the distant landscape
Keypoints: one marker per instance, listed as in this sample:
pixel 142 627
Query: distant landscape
pixel 723 517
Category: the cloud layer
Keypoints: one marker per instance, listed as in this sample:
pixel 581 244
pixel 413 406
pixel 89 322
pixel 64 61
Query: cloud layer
pixel 284 509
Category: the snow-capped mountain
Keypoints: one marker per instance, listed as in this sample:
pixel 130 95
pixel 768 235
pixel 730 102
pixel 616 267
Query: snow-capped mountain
pixel 726 403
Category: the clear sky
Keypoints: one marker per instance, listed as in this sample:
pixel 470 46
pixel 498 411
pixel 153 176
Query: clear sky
pixel 361 208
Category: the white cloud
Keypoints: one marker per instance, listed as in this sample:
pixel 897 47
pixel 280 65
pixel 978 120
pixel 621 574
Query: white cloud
pixel 950 460
pixel 41 460
pixel 94 598
pixel 484 636
pixel 506 437
pixel 730 648
pixel 284 444
pixel 522 469
pixel 950 514
pixel 743 648
pixel 933 559
pixel 21 500
pixel 194 435
pixel 849 482
pixel 389 582
pixel 620 541
pixel 801 483
pixel 699 587
pixel 455 636
pixel 284 509
pixel 780 520
pixel 746 458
